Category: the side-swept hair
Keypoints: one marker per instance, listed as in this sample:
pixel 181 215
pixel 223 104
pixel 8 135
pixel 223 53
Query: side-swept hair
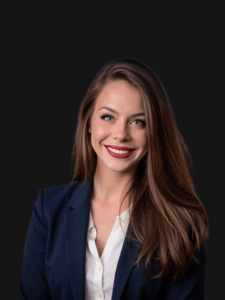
pixel 168 219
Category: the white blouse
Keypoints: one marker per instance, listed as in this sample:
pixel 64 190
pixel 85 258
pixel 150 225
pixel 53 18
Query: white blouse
pixel 100 272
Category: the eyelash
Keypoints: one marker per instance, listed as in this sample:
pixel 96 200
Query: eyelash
pixel 143 122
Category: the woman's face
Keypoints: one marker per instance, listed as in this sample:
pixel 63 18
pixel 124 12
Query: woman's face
pixel 118 128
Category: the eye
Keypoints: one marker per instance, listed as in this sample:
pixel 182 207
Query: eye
pixel 141 122
pixel 104 116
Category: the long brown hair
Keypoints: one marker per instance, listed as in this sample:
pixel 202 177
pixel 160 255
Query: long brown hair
pixel 168 219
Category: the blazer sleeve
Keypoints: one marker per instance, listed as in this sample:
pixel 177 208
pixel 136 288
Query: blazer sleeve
pixel 191 286
pixel 33 283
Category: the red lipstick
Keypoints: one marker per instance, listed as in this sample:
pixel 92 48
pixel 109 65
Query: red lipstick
pixel 119 148
pixel 118 155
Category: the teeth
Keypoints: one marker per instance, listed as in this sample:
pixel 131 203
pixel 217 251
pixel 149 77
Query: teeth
pixel 118 151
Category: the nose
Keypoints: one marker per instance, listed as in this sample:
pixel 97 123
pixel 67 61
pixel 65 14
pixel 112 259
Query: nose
pixel 121 131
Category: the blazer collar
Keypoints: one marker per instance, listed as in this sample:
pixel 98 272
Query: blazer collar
pixel 76 226
pixel 82 193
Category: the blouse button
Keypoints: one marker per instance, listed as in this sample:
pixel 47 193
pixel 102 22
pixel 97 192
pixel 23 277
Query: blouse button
pixel 91 231
pixel 99 295
pixel 99 268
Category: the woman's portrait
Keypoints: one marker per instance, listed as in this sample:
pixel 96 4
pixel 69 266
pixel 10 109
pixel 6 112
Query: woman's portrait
pixel 129 225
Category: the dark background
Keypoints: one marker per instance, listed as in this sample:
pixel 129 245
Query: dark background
pixel 51 56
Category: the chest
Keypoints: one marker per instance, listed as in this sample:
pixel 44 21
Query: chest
pixel 104 218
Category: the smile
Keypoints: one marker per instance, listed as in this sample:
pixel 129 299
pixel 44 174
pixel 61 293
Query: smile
pixel 119 153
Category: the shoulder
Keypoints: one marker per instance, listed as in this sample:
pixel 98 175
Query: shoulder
pixel 59 193
pixel 53 201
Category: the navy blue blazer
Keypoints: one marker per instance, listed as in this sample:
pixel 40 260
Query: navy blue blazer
pixel 55 251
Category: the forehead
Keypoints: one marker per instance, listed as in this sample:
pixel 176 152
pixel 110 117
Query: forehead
pixel 119 92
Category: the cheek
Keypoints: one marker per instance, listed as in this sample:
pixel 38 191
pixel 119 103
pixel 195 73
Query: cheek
pixel 141 139
pixel 100 131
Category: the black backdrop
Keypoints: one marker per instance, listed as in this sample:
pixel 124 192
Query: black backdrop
pixel 53 53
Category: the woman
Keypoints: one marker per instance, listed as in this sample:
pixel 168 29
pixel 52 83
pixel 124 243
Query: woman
pixel 130 224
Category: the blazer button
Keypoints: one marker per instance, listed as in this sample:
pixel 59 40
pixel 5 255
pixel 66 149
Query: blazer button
pixel 99 295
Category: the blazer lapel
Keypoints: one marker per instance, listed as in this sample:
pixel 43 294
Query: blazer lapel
pixel 76 226
pixel 127 257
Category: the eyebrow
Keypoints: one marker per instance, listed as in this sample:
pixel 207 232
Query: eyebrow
pixel 115 112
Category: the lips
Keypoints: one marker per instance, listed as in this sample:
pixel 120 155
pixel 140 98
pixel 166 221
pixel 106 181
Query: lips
pixel 120 148
pixel 119 155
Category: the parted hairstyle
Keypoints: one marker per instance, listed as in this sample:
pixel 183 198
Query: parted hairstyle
pixel 168 219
